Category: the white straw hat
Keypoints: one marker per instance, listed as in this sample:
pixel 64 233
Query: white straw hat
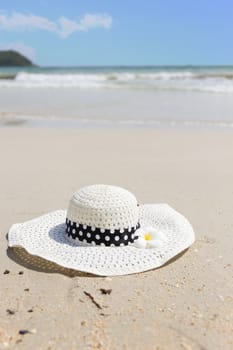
pixel 106 232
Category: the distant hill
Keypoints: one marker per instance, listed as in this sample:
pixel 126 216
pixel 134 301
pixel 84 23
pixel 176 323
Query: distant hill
pixel 12 58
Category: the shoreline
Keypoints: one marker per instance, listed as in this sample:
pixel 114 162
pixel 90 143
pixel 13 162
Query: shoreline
pixel 127 107
pixel 35 122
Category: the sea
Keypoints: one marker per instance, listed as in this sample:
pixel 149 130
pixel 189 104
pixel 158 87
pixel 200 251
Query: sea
pixel 150 96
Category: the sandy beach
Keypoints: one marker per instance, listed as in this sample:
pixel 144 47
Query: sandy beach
pixel 187 304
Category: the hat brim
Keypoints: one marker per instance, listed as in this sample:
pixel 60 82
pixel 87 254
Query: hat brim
pixel 45 237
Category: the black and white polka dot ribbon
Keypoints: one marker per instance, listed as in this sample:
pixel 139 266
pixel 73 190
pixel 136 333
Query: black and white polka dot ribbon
pixel 97 236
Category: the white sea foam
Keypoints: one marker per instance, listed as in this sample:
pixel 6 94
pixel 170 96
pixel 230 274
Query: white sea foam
pixel 160 80
pixel 59 80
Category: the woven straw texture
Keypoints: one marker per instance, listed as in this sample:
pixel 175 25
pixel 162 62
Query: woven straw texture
pixel 46 237
pixel 103 206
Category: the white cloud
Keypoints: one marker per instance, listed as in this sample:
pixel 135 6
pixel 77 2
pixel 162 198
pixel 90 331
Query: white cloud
pixel 63 26
pixel 93 21
pixel 19 46
pixel 67 27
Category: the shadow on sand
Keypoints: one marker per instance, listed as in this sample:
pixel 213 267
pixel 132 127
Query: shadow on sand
pixel 36 263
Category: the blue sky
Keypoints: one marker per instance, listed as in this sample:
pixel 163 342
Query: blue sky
pixel 119 32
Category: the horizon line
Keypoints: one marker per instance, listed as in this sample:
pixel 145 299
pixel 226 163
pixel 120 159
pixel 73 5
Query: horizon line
pixel 132 65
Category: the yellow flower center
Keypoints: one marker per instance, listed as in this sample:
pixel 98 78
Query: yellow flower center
pixel 148 236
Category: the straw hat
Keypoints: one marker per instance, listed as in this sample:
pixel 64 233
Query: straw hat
pixel 105 232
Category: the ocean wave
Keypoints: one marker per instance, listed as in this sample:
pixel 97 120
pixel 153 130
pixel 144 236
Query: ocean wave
pixel 150 76
pixel 59 80
pixel 212 82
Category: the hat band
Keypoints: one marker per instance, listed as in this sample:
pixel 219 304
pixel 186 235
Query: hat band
pixel 98 236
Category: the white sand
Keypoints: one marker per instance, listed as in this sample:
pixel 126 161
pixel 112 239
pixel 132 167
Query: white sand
pixel 187 304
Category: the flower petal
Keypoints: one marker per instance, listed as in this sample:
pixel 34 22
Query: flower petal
pixel 160 236
pixel 140 242
pixel 156 243
pixel 139 232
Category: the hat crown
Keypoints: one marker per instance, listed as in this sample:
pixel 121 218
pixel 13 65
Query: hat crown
pixel 104 206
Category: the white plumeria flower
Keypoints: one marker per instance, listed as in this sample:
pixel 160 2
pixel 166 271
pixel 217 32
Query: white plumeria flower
pixel 149 237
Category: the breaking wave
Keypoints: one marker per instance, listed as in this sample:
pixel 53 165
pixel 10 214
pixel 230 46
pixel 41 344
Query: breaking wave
pixel 212 82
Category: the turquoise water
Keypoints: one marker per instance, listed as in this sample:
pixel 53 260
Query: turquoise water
pixel 109 69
